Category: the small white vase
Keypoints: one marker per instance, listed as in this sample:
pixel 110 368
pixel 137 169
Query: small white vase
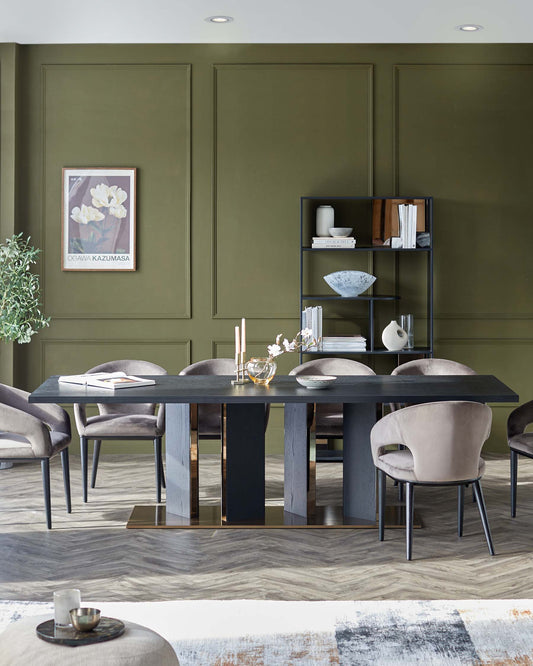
pixel 394 338
pixel 325 219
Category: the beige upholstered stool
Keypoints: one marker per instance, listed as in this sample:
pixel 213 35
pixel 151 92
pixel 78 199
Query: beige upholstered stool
pixel 138 646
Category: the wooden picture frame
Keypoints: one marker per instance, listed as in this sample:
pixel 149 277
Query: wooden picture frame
pixel 98 219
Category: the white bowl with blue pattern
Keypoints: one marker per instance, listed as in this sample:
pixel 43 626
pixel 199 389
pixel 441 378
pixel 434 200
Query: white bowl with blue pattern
pixel 349 283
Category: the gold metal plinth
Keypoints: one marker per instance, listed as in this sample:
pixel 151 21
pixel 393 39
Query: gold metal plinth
pixel 155 517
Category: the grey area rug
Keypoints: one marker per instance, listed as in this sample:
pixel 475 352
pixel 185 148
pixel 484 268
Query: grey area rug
pixel 388 633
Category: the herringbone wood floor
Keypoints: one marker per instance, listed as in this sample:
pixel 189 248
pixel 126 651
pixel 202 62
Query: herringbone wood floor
pixel 92 550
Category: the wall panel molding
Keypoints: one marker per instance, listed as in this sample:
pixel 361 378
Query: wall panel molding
pixel 154 350
pixel 49 183
pixel 464 129
pixel 219 310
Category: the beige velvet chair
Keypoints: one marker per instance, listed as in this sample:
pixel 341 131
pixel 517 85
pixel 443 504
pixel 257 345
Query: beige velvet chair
pixel 520 442
pixel 34 432
pixel 443 442
pixel 122 421
pixel 328 417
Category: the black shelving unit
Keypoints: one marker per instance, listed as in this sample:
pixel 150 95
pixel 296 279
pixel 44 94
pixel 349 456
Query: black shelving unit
pixel 374 300
pixel 308 207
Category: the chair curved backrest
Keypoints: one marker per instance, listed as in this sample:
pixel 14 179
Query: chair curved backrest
pixel 332 366
pixel 444 438
pixel 329 416
pixel 211 366
pixel 209 421
pixel 433 366
pixel 130 367
pixel 54 416
pixel 519 419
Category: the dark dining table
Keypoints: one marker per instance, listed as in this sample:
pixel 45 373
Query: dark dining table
pixel 243 441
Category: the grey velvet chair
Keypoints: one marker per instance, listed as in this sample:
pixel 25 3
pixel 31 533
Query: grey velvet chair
pixel 430 366
pixel 520 442
pixel 328 417
pixel 442 444
pixel 122 421
pixel 206 422
pixel 34 432
pixel 209 416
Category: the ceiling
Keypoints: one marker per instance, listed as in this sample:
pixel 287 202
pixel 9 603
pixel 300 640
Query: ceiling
pixel 269 21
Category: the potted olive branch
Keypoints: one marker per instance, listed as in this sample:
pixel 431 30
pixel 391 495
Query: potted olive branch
pixel 20 294
pixel 20 300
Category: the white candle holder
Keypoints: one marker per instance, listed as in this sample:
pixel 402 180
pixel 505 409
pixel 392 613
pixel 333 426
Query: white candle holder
pixel 240 377
pixel 64 602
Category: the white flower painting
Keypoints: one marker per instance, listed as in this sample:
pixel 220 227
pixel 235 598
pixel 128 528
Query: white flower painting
pixel 98 219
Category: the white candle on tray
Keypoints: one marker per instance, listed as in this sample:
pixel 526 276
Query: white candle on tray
pixel 64 602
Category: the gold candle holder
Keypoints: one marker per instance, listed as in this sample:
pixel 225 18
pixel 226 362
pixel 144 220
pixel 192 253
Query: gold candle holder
pixel 240 377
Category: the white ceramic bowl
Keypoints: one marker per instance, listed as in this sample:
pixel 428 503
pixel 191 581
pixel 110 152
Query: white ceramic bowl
pixel 315 381
pixel 340 232
pixel 349 283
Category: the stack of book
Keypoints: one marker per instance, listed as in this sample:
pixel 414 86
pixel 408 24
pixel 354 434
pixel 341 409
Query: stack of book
pixel 312 319
pixel 107 380
pixel 344 343
pixel 330 243
pixel 407 215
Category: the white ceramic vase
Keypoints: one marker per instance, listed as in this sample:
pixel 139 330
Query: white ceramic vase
pixel 325 219
pixel 394 337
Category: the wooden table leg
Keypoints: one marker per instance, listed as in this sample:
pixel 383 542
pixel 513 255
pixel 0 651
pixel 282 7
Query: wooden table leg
pixel 243 463
pixel 359 473
pixel 182 459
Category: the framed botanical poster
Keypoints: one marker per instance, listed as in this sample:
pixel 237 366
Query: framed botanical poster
pixel 98 232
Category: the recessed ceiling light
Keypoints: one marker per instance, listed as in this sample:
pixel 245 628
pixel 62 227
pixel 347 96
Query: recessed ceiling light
pixel 219 19
pixel 469 27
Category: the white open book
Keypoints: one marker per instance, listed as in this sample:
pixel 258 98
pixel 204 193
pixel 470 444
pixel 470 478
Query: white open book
pixel 109 380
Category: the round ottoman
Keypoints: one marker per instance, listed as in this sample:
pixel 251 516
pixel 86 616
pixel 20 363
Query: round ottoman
pixel 138 646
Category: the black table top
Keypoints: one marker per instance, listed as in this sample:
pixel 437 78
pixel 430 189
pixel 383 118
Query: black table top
pixel 284 389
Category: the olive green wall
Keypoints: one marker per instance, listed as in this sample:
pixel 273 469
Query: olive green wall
pixel 226 138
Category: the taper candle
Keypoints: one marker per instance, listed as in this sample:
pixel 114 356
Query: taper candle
pixel 243 335
pixel 237 340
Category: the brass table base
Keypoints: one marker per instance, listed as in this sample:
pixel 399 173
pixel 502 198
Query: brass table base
pixel 155 517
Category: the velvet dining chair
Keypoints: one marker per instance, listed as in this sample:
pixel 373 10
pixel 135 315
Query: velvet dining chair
pixel 329 417
pixel 520 443
pixel 442 444
pixel 31 432
pixel 145 421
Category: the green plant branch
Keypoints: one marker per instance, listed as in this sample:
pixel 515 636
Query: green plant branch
pixel 20 299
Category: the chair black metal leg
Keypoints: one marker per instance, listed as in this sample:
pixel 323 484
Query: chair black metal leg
pixel 45 468
pixel 460 509
pixel 409 496
pixel 483 514
pixel 96 458
pixel 400 491
pixel 84 464
pixel 65 464
pixel 163 480
pixel 157 450
pixel 514 481
pixel 382 485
